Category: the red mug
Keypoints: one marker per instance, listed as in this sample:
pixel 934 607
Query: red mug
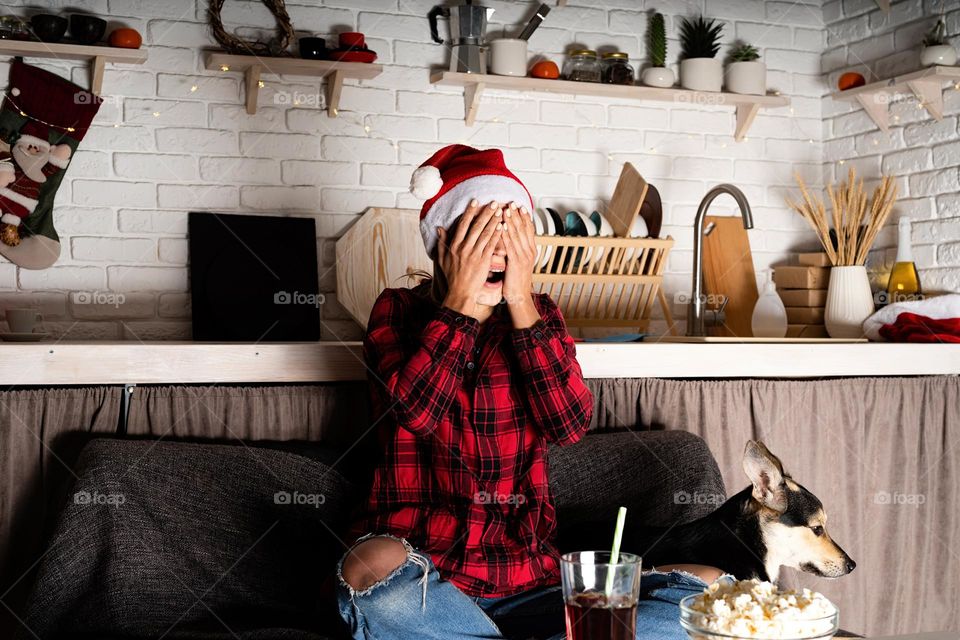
pixel 352 40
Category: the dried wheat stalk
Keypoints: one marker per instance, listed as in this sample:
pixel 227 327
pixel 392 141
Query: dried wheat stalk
pixel 848 213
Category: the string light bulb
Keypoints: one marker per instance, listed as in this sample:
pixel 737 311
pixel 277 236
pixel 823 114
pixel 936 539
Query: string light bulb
pixel 224 67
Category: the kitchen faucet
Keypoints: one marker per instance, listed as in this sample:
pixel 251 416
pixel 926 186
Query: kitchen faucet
pixel 696 312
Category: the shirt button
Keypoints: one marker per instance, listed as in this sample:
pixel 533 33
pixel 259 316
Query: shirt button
pixel 470 366
pixel 459 320
pixel 537 334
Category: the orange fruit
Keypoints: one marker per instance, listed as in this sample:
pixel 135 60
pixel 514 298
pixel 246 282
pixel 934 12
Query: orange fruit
pixel 125 38
pixel 851 80
pixel 545 69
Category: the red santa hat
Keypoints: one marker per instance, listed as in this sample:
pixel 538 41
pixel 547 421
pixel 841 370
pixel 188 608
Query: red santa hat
pixel 34 133
pixel 455 175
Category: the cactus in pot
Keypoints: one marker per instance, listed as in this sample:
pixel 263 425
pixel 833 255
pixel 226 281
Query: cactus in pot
pixel 658 74
pixel 700 41
pixel 745 73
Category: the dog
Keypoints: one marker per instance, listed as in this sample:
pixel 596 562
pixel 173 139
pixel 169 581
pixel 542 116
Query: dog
pixel 773 523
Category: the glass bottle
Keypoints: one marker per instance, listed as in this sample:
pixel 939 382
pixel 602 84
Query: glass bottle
pixel 904 283
pixel 582 66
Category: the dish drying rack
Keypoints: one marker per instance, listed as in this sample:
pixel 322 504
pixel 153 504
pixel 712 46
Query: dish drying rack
pixel 604 281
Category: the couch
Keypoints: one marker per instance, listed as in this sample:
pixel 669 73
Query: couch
pixel 204 540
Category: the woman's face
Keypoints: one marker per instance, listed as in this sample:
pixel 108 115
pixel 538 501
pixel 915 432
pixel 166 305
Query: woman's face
pixel 490 292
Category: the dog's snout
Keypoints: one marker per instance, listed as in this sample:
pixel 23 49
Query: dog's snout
pixel 850 565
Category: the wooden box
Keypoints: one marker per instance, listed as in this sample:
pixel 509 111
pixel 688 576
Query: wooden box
pixel 805 315
pixel 819 259
pixel 803 297
pixel 801 277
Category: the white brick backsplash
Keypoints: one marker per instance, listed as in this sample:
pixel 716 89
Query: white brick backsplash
pixel 105 306
pixel 125 250
pixel 155 166
pixel 110 192
pixel 197 140
pixel 130 187
pixel 259 198
pixel 123 279
pixel 197 196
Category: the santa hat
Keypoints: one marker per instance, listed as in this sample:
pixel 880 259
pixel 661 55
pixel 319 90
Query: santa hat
pixel 455 175
pixel 34 133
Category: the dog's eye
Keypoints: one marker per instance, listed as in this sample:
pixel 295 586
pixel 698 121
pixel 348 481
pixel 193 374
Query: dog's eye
pixel 817 530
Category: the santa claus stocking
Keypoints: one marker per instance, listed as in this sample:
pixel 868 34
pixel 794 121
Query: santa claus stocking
pixel 42 121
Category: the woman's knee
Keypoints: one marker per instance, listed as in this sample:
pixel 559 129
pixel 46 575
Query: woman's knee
pixel 371 561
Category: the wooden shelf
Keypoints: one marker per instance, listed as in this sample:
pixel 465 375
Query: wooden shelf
pixel 474 85
pixel 254 66
pixel 97 55
pixel 926 85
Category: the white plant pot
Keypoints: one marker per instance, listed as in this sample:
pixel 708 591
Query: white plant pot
pixel 701 74
pixel 658 77
pixel 849 302
pixel 747 77
pixel 941 54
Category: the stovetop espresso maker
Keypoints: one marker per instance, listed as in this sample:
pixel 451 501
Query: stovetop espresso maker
pixel 468 29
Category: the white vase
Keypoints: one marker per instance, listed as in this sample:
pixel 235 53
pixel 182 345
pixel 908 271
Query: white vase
pixel 942 54
pixel 746 77
pixel 658 77
pixel 849 302
pixel 701 74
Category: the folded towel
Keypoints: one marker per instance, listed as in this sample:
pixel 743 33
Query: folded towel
pixel 935 319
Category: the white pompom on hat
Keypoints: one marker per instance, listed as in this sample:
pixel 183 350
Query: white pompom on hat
pixel 455 175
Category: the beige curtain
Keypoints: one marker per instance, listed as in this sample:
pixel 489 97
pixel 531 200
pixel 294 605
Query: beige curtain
pixel 41 432
pixel 882 454
pixel 332 413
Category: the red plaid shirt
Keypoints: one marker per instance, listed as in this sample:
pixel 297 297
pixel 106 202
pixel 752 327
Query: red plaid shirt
pixel 467 412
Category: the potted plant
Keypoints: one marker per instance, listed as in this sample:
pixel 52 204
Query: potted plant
pixel 936 49
pixel 658 74
pixel 699 68
pixel 745 73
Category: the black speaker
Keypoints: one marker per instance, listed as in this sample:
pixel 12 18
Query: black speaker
pixel 253 278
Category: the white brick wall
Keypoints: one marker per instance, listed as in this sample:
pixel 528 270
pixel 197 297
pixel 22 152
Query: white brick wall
pixel 922 152
pixel 121 211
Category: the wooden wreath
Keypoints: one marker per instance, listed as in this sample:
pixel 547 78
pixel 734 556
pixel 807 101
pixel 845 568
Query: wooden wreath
pixel 277 46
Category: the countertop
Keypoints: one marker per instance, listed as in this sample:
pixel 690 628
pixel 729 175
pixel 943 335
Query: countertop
pixel 170 362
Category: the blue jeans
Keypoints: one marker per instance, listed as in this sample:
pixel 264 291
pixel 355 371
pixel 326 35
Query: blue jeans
pixel 414 602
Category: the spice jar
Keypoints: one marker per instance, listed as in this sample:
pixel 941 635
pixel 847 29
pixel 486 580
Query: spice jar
pixel 615 69
pixel 582 66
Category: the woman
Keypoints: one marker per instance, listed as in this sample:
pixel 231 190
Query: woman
pixel 473 376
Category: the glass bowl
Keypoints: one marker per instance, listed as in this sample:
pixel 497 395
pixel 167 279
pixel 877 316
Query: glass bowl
pixel 694 622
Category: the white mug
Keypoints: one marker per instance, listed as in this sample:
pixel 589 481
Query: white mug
pixel 23 320
pixel 508 57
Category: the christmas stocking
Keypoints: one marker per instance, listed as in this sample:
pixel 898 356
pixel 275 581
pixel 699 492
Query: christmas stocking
pixel 42 121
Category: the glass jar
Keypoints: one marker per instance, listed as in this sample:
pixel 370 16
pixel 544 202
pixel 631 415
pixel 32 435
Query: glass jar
pixel 582 66
pixel 13 28
pixel 615 69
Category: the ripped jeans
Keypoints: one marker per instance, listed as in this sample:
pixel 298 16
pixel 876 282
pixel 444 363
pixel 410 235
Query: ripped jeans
pixel 414 602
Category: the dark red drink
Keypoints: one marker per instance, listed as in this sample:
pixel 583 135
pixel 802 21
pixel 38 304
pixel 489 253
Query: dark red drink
pixel 590 616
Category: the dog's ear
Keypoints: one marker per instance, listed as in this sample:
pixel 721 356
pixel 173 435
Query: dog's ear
pixel 766 473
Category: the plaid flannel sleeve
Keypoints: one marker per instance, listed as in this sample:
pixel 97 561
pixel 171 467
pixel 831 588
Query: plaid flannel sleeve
pixel 560 401
pixel 419 385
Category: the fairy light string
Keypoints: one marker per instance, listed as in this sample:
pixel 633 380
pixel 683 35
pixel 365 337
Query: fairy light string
pixel 34 118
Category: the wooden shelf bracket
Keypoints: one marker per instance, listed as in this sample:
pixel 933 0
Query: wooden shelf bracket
pixel 745 115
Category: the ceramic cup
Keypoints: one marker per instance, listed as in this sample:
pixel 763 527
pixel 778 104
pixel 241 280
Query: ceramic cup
pixel 508 57
pixel 23 320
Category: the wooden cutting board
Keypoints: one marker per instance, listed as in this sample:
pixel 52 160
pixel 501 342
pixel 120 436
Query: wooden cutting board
pixel 728 270
pixel 374 253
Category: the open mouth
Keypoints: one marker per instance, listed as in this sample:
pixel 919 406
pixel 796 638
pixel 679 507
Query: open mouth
pixel 495 276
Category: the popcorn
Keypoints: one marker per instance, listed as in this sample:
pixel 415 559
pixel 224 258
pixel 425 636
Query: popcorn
pixel 757 609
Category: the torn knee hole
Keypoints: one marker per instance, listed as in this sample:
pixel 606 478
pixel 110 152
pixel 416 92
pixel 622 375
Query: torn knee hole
pixel 371 561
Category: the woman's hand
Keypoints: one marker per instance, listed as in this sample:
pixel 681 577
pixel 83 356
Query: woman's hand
pixel 519 240
pixel 465 257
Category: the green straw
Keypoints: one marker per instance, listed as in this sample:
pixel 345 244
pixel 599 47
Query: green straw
pixel 615 551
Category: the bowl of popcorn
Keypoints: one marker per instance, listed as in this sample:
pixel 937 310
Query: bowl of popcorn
pixel 751 609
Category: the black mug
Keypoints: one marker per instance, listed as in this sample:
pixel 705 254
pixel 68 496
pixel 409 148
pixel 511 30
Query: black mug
pixel 313 48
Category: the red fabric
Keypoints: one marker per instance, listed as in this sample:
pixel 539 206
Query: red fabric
pixel 458 162
pixel 468 410
pixel 50 98
pixel 910 327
